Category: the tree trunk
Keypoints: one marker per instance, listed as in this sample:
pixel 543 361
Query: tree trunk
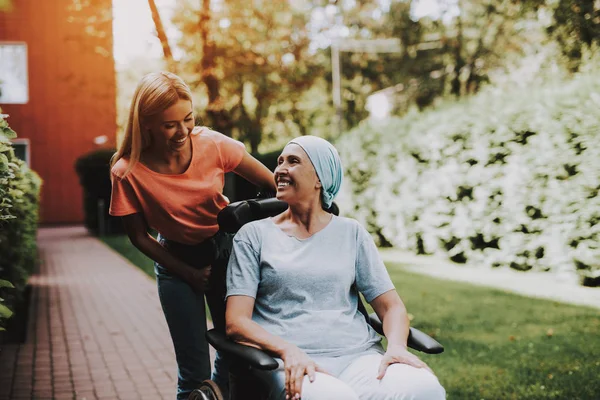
pixel 219 117
pixel 160 32
pixel 459 62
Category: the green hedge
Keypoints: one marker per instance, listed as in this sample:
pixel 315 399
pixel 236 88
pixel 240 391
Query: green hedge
pixel 500 179
pixel 93 170
pixel 19 205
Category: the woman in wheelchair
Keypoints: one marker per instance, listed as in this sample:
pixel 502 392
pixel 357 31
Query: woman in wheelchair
pixel 293 283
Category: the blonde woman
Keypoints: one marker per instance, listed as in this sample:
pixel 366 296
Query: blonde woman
pixel 168 175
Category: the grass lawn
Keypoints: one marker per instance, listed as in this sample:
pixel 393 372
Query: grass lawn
pixel 498 345
pixel 501 345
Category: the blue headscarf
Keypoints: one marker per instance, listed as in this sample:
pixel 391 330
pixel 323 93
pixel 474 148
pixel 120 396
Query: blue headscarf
pixel 327 163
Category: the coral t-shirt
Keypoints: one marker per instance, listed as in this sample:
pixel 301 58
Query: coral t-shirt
pixel 182 207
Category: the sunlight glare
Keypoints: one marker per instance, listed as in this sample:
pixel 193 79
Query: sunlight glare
pixel 134 32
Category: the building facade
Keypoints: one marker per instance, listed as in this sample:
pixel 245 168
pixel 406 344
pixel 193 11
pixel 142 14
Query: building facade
pixel 64 104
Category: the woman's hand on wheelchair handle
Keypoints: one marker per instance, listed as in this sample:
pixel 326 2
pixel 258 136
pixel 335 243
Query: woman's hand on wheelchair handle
pixel 297 364
pixel 399 355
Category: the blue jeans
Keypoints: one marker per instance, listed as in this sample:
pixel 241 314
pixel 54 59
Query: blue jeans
pixel 185 311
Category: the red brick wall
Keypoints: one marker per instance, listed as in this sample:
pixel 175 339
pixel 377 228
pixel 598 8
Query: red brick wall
pixel 71 92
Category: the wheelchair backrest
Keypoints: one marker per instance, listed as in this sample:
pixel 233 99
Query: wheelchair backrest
pixel 235 215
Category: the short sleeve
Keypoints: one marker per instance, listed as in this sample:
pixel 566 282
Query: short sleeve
pixel 123 200
pixel 243 270
pixel 372 278
pixel 231 151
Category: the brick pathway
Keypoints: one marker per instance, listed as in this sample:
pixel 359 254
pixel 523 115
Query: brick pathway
pixel 96 330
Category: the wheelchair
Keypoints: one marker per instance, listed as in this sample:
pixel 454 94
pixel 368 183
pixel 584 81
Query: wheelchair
pixel 243 384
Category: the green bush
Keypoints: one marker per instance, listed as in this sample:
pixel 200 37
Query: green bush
pixel 19 205
pixel 93 170
pixel 500 179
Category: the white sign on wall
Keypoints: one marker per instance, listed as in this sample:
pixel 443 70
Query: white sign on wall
pixel 14 85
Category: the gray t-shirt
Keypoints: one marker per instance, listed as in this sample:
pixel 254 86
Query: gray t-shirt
pixel 305 290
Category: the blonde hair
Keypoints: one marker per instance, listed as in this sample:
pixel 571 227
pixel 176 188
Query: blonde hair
pixel 155 93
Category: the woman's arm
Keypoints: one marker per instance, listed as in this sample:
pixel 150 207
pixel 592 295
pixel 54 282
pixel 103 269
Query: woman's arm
pixel 391 311
pixel 241 328
pixel 255 172
pixel 137 229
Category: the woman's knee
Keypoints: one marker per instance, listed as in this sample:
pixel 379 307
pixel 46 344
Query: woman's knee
pixel 326 387
pixel 410 383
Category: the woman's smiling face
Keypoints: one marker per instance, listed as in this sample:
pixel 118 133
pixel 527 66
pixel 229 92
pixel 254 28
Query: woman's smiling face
pixel 171 128
pixel 295 176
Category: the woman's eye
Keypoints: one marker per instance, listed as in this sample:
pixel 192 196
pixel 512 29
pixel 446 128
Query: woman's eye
pixel 189 119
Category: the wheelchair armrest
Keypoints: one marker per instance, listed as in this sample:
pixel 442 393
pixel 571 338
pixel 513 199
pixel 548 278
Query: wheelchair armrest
pixel 417 339
pixel 251 355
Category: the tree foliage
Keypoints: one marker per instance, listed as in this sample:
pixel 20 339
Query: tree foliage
pixel 265 67
pixel 253 62
pixel 576 25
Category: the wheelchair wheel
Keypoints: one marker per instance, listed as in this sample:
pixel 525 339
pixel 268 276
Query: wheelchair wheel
pixel 208 390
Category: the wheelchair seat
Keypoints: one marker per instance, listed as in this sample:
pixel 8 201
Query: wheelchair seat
pixel 246 359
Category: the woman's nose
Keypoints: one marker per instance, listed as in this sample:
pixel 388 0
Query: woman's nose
pixel 279 169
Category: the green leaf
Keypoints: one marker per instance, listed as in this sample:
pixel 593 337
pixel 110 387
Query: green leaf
pixel 3 163
pixel 5 312
pixel 4 145
pixel 5 283
pixel 9 133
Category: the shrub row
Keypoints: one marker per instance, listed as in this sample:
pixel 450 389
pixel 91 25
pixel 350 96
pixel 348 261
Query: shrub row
pixel 500 179
pixel 93 170
pixel 19 204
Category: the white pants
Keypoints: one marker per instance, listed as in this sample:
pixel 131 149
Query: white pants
pixel 358 381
